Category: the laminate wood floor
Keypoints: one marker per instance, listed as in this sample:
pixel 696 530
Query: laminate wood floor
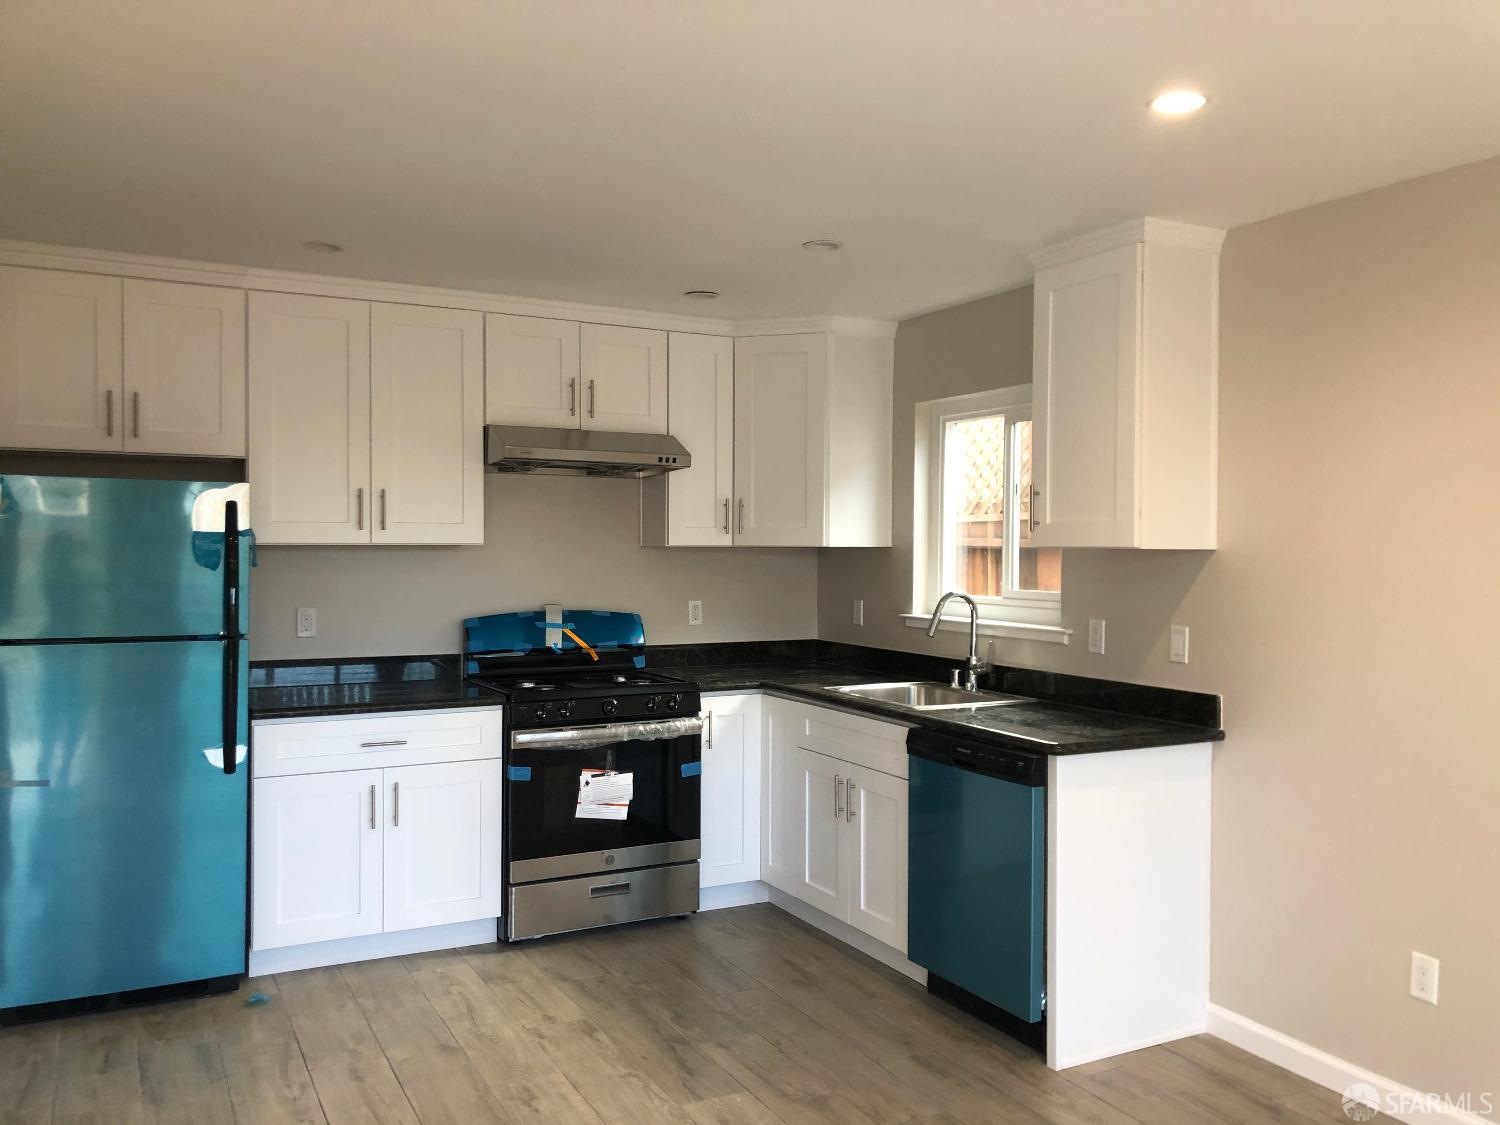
pixel 729 1017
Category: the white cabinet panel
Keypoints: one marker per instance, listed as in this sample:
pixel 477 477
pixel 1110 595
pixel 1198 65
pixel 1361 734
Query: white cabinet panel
pixel 531 371
pixel 309 418
pixel 624 378
pixel 875 855
pixel 350 742
pixel 442 844
pixel 693 505
pixel 780 411
pixel 782 810
pixel 427 425
pixel 316 867
pixel 60 365
pixel 184 369
pixel 821 876
pixel 730 791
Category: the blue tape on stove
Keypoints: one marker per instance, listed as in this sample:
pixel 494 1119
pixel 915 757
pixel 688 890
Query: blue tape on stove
pixel 692 769
pixel 518 773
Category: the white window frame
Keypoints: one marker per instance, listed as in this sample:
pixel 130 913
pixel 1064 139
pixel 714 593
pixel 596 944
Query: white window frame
pixel 1035 615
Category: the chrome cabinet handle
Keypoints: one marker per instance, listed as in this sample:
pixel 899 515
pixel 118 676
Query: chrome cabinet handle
pixel 372 806
pixel 1036 507
pixel 572 398
pixel 135 413
pixel 740 519
pixel 838 791
pixel 396 805
pixel 382 509
pixel 383 742
pixel 109 413
pixel 359 509
pixel 849 800
pixel 708 730
pixel 591 398
pixel 726 515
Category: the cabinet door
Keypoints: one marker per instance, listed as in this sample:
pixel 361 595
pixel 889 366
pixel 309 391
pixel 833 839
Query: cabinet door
pixel 184 369
pixel 874 854
pixel 316 858
pixel 309 418
pixel 1085 362
pixel 531 371
pixel 730 792
pixel 780 403
pixel 783 810
pixel 822 878
pixel 701 411
pixel 442 844
pixel 624 373
pixel 60 360
pixel 426 425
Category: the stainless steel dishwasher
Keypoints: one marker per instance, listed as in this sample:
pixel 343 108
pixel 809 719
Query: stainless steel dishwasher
pixel 977 878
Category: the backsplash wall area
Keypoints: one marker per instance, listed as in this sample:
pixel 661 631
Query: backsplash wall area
pixel 572 540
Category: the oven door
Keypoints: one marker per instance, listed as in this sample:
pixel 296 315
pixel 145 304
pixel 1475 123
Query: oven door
pixel 545 835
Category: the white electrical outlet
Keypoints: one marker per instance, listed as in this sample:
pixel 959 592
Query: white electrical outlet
pixel 307 623
pixel 1096 635
pixel 695 613
pixel 859 611
pixel 1424 977
pixel 1177 652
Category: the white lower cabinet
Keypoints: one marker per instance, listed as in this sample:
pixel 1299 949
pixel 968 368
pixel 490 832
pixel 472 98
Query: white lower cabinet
pixel 442 844
pixel 730 791
pixel 374 836
pixel 835 831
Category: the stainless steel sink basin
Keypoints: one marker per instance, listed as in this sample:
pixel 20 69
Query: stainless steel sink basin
pixel 920 695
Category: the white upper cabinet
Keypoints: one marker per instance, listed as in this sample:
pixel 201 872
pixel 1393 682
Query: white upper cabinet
pixel 1125 395
pixel 623 379
pixel 60 360
pixel 531 371
pixel 184 370
pixel 812 440
pixel 309 418
pixel 692 507
pixel 427 425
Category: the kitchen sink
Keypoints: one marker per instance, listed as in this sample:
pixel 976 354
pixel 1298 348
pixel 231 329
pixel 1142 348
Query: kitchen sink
pixel 920 695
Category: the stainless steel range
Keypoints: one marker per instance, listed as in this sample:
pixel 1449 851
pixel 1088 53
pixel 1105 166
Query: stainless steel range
pixel 602 777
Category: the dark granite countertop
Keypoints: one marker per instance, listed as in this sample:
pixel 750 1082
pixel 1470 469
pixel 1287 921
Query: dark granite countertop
pixel 283 689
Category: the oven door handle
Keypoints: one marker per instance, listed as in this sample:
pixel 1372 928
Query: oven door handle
pixel 583 738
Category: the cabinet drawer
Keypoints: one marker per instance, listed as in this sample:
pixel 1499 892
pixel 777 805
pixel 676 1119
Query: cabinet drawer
pixel 852 738
pixel 342 742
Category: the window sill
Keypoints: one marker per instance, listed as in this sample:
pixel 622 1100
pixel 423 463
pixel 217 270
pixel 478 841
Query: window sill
pixel 1014 630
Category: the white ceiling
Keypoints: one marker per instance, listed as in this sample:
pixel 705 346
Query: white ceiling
pixel 622 152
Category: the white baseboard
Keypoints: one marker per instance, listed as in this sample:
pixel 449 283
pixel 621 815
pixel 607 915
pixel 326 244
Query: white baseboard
pixel 858 939
pixel 345 951
pixel 1393 1098
pixel 732 894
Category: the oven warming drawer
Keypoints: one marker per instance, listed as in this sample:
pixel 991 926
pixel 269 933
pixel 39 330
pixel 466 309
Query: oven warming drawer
pixel 601 900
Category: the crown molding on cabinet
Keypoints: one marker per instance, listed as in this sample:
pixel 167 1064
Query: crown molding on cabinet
pixel 1159 231
pixel 117 264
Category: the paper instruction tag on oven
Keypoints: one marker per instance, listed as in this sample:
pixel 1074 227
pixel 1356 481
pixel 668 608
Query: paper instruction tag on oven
pixel 604 795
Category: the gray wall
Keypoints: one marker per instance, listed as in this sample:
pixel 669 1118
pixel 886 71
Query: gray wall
pixel 1346 617
pixel 565 539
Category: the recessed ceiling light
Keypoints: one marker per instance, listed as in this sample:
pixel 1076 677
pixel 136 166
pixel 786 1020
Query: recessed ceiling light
pixel 322 247
pixel 701 294
pixel 823 245
pixel 1174 103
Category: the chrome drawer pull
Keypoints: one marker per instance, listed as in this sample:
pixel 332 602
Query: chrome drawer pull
pixel 383 742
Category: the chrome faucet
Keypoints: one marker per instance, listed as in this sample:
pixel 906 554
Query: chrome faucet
pixel 971 675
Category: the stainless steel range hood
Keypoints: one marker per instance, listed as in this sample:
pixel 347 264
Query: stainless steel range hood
pixel 593 453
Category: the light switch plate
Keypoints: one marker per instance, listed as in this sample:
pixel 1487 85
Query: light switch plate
pixel 1096 635
pixel 307 623
pixel 1424 977
pixel 1177 653
pixel 859 611
pixel 695 613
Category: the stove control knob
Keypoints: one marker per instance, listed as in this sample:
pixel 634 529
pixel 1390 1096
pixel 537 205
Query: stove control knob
pixel 565 709
pixel 610 706
pixel 653 703
pixel 674 702
pixel 539 711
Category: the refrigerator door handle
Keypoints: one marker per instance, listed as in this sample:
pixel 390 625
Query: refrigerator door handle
pixel 231 699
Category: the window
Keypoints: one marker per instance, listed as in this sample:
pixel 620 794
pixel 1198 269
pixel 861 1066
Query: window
pixel 973 529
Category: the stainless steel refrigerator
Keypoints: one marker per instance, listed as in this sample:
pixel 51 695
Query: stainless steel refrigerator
pixel 123 819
